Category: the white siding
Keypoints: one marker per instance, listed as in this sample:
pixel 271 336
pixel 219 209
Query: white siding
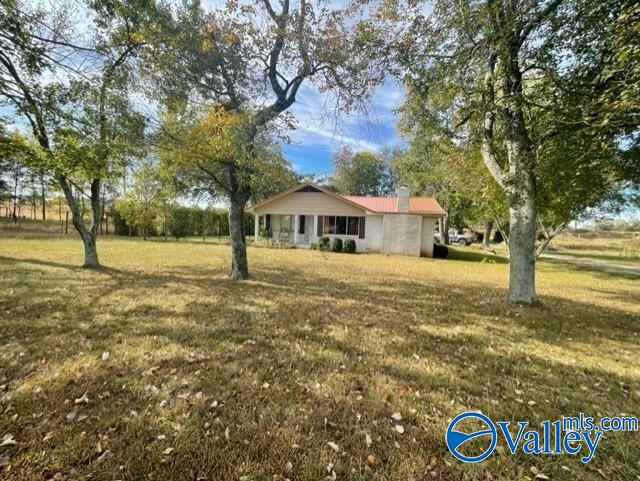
pixel 428 229
pixel 401 234
pixel 373 233
pixel 309 203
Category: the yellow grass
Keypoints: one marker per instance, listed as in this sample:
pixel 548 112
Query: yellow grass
pixel 211 379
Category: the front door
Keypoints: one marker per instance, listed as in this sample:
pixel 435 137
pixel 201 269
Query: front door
pixel 303 229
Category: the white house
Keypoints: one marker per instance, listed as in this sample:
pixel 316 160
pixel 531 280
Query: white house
pixel 396 225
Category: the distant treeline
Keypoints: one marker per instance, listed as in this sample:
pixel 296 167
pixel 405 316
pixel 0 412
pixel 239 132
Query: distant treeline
pixel 181 222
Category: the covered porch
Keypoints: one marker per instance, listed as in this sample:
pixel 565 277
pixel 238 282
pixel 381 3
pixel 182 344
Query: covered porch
pixel 293 229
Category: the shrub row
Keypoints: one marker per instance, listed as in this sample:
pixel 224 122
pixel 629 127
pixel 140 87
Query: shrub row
pixel 180 222
pixel 324 244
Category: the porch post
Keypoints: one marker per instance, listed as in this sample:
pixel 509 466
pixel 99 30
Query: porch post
pixel 256 226
pixel 314 230
pixel 296 223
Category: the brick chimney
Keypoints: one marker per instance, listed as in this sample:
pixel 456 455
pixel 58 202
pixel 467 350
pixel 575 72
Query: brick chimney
pixel 402 199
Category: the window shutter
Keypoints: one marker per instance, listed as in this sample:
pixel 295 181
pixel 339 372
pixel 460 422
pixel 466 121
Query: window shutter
pixel 319 228
pixel 361 232
pixel 267 222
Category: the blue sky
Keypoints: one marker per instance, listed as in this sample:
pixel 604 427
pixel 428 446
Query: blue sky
pixel 320 132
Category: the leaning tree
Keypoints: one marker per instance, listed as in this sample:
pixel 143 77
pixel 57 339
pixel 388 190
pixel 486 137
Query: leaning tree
pixel 252 59
pixel 521 79
pixel 72 90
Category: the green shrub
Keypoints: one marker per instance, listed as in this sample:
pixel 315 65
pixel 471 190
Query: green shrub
pixel 337 245
pixel 349 246
pixel 323 243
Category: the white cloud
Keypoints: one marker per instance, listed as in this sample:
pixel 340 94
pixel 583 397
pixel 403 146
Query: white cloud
pixel 320 125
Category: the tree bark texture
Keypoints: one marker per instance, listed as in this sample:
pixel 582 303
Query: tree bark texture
pixel 486 235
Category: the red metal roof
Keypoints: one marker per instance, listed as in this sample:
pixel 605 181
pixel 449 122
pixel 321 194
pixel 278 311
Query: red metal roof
pixel 386 205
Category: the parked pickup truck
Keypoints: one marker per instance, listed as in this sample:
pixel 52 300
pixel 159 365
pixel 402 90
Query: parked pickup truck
pixel 462 238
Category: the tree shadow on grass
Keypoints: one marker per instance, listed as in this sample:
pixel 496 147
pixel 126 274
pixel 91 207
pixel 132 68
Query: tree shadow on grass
pixel 466 254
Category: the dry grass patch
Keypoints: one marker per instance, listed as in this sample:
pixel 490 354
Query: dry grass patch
pixel 210 379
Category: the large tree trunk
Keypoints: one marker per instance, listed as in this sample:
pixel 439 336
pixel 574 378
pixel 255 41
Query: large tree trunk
pixel 519 182
pixel 239 264
pixel 486 235
pixel 522 239
pixel 238 197
pixel 444 234
pixel 90 250
pixel 520 187
pixel 90 235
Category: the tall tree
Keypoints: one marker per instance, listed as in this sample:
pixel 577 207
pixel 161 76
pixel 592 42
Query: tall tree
pixel 195 149
pixel 362 173
pixel 72 113
pixel 223 58
pixel 144 202
pixel 512 85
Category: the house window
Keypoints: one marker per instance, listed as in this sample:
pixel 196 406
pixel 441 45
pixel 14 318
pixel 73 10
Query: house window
pixel 341 225
pixel 352 225
pixel 285 223
pixel 329 225
pixel 301 224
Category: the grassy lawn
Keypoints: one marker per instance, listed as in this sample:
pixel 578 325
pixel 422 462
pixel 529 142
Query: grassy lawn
pixel 158 367
pixel 618 250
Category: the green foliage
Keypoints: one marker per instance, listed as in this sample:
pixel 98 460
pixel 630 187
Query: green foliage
pixel 323 243
pixel 362 173
pixel 194 150
pixel 336 245
pixel 143 203
pixel 580 85
pixel 184 221
pixel 349 246
pixel 120 224
pixel 179 222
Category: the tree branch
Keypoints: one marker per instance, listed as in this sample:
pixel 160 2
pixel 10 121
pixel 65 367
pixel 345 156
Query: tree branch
pixel 537 19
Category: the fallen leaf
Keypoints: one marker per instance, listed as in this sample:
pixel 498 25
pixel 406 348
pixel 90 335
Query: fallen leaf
pixel 8 440
pixel 83 399
pixel 399 429
pixel 71 415
pixel 334 446
pixel 168 451
pixel 396 417
pixel 288 470
pixel 105 355
pixel 368 440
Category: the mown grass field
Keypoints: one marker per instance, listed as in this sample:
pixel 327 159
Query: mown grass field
pixel 622 250
pixel 158 367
